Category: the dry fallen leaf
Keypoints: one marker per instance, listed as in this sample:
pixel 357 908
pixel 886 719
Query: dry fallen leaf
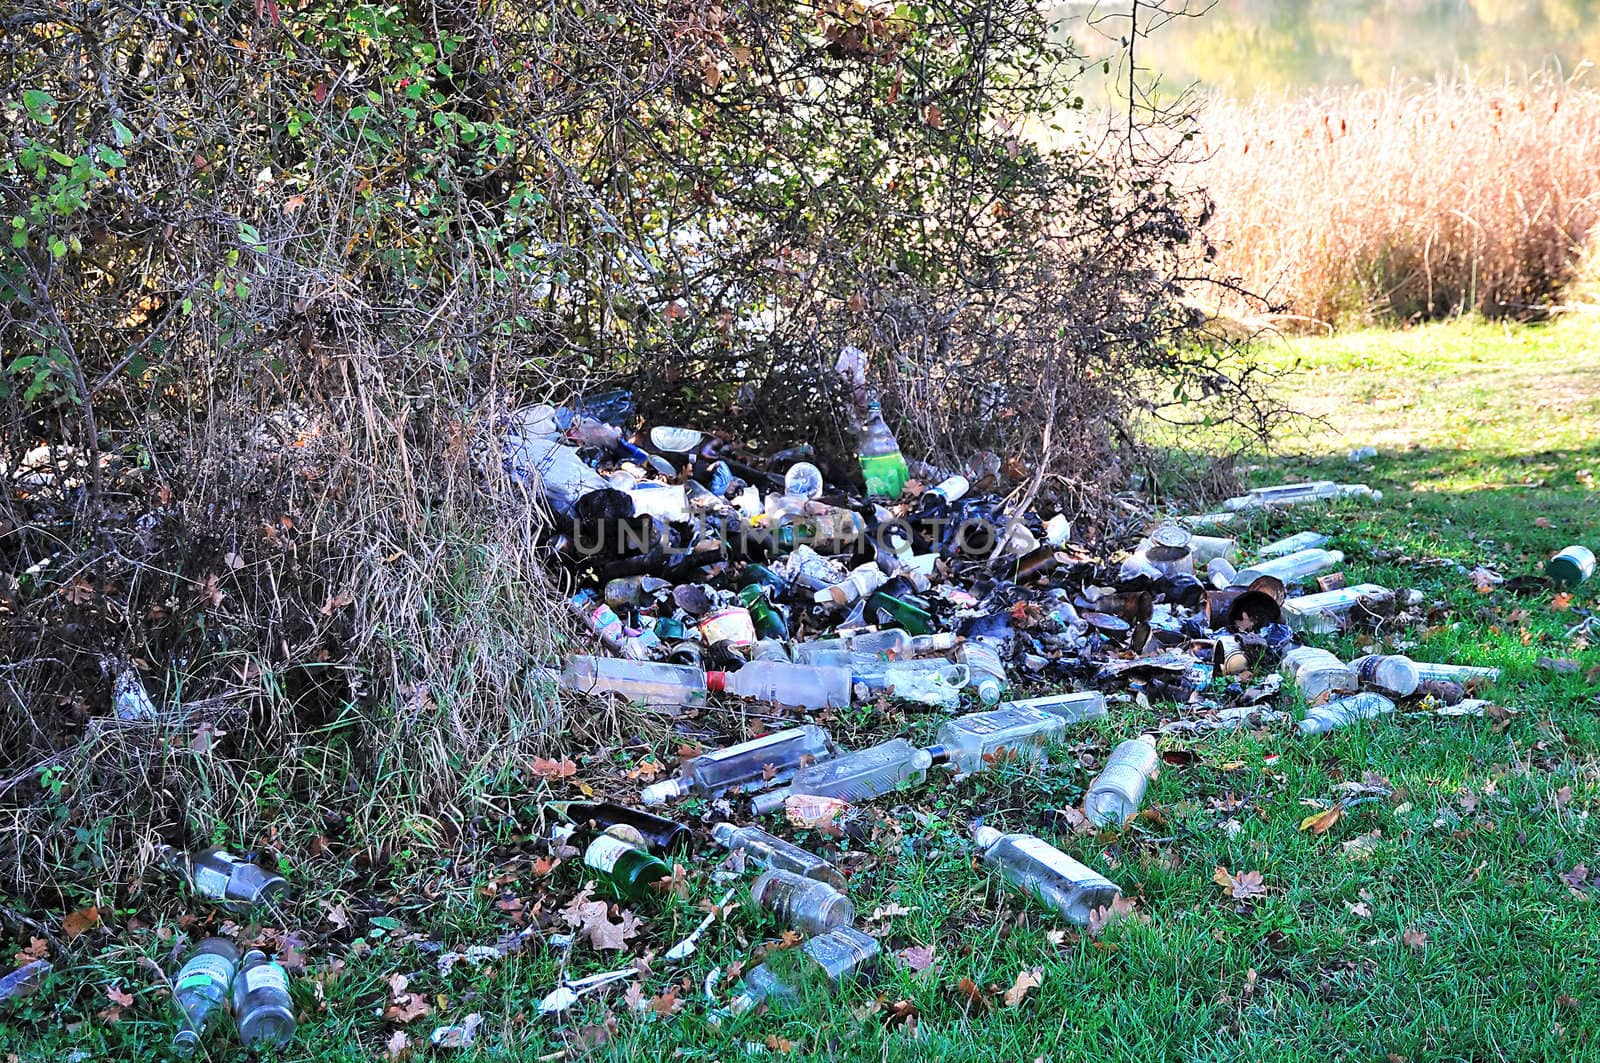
pixel 1414 939
pixel 1577 881
pixel 553 769
pixel 916 957
pixel 973 992
pixel 1026 980
pixel 1363 846
pixel 1120 909
pixel 1319 822
pixel 1241 886
pixel 1561 601
pixel 398 1046
pixel 38 949
pixel 667 1003
pixel 80 922
pixel 591 919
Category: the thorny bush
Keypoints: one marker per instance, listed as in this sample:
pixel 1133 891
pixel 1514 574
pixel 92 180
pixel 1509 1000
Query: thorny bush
pixel 273 272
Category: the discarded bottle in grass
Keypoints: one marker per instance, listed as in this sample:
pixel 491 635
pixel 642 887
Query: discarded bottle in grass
pixel 200 991
pixel 803 480
pixel 769 760
pixel 985 671
pixel 1291 568
pixel 261 1003
pixel 823 653
pixel 936 501
pixel 622 867
pixel 1334 714
pixel 1041 869
pixel 855 777
pixel 218 875
pixel 1393 674
pixel 1077 707
pixel 972 742
pixel 882 465
pixel 649 682
pixel 891 641
pixel 1294 494
pixel 1456 673
pixel 875 671
pixel 807 904
pixel 862 581
pixel 659 833
pixel 903 610
pixel 1204 549
pixel 1306 540
pixel 801 686
pixel 1570 567
pixel 1117 792
pixel 770 851
pixel 840 956
pixel 1316 672
pixel 601 619
pixel 764 617
pixel 1330 611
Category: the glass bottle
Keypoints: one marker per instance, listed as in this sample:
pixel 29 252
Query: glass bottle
pixel 972 742
pixel 219 876
pixel 903 610
pixel 1334 714
pixel 806 904
pixel 862 581
pixel 1046 872
pixel 201 990
pixel 936 501
pixel 770 851
pixel 876 672
pixel 622 868
pixel 649 682
pixel 1117 792
pixel 984 670
pixel 838 957
pixel 1394 674
pixel 1291 568
pixel 855 777
pixel 891 641
pixel 764 616
pixel 1456 673
pixel 798 685
pixel 1317 672
pixel 1078 707
pixel 769 760
pixel 823 653
pixel 882 465
pixel 261 1004
pixel 1305 540
pixel 659 833
pixel 1328 612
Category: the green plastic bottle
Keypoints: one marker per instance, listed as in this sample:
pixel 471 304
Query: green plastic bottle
pixel 882 464
pixel 623 868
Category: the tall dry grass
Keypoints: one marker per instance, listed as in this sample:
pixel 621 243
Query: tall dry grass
pixel 1420 200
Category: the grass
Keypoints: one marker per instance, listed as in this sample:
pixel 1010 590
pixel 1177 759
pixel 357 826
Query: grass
pixel 1454 938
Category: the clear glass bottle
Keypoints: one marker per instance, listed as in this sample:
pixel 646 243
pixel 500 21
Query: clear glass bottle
pixel 1117 792
pixel 890 641
pixel 855 777
pixel 746 766
pixel 1328 612
pixel 1291 568
pixel 875 672
pixel 649 682
pixel 1204 549
pixel 972 742
pixel 1077 707
pixel 806 904
pixel 797 685
pixel 882 465
pixel 1456 673
pixel 1317 672
pixel 200 991
pixel 1306 540
pixel 1394 674
pixel 838 957
pixel 623 868
pixel 862 581
pixel 823 653
pixel 769 650
pixel 1334 714
pixel 219 876
pixel 1046 872
pixel 660 834
pixel 261 1003
pixel 770 851
pixel 985 671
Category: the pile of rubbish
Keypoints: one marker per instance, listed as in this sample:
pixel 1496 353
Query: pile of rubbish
pixel 706 572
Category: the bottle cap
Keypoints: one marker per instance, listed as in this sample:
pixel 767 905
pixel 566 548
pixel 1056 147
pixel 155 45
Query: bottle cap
pixel 938 755
pixel 985 836
pixel 716 682
pixel 658 793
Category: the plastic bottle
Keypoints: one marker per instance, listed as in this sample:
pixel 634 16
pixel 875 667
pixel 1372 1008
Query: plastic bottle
pixel 1456 673
pixel 823 653
pixel 882 465
pixel 801 686
pixel 1305 540
pixel 1392 674
pixel 748 766
pixel 803 480
pixel 1041 869
pixel 855 777
pixel 1570 567
pixel 892 641
pixel 1117 792
pixel 862 581
pixel 807 904
pixel 804 567
pixel 1333 714
pixel 876 672
pixel 1291 568
pixel 770 851
pixel 219 876
pixel 1294 494
pixel 659 833
pixel 649 682
pixel 1329 611
pixel 933 642
pixel 1079 707
pixel 261 1004
pixel 622 867
pixel 1317 672
pixel 985 671
pixel 972 742
pixel 200 990
pixel 838 957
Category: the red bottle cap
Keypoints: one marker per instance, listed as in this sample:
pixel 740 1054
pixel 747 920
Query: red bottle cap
pixel 716 681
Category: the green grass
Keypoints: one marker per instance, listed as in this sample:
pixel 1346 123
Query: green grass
pixel 1487 436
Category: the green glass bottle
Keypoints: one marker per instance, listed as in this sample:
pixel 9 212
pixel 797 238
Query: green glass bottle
pixel 901 611
pixel 623 868
pixel 769 623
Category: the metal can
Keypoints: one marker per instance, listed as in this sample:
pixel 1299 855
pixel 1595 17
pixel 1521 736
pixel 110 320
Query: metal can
pixel 731 625
pixel 1572 566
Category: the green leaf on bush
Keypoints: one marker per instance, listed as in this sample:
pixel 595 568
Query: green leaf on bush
pixel 38 102
pixel 110 156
